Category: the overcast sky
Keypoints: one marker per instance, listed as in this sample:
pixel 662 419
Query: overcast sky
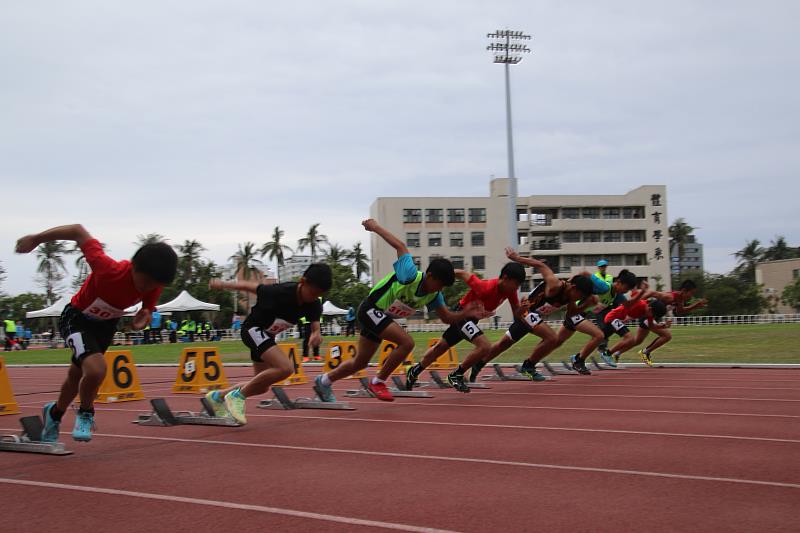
pixel 217 121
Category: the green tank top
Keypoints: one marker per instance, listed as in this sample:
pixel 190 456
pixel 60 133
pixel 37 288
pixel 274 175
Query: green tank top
pixel 607 298
pixel 397 299
pixel 11 326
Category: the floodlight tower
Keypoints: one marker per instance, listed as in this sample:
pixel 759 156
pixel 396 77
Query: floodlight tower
pixel 509 47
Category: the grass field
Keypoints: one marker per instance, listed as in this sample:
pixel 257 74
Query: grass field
pixel 765 343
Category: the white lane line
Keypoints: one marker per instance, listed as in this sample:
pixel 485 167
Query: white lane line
pixel 651 386
pixel 472 460
pixel 227 505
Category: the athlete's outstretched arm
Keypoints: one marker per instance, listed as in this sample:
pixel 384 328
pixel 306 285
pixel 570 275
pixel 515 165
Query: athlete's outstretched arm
pixel 249 286
pixel 473 309
pixel 463 275
pixel 547 274
pixel 71 232
pixel 372 225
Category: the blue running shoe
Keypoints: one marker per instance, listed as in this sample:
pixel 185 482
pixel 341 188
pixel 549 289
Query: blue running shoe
pixel 608 359
pixel 84 424
pixel 325 392
pixel 51 425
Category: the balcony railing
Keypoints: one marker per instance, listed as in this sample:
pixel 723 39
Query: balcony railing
pixel 545 245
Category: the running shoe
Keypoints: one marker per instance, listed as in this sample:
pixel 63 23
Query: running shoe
pixel 306 359
pixel 214 398
pixel 236 405
pixel 645 358
pixel 608 359
pixel 325 392
pixel 579 365
pixel 476 369
pixel 380 391
pixel 411 378
pixel 84 423
pixel 528 369
pixel 317 358
pixel 51 425
pixel 457 382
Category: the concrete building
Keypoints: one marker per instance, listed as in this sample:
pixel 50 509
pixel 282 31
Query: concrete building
pixel 691 260
pixel 570 232
pixel 294 267
pixel 775 276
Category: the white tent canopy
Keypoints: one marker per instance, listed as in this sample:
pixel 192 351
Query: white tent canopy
pixel 57 308
pixel 329 309
pixel 186 302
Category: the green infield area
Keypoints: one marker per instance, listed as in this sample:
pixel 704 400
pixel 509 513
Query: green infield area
pixel 765 343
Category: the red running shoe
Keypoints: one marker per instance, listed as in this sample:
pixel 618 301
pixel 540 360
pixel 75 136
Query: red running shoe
pixel 306 359
pixel 317 358
pixel 380 391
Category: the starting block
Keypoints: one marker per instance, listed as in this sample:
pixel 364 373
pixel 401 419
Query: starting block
pixel 555 371
pixel 30 440
pixel 442 384
pixel 364 392
pixel 162 415
pixel 282 401
pixel 568 367
pixel 500 375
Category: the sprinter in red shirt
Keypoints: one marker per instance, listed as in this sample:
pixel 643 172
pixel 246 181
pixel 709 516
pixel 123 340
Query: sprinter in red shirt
pixel 89 321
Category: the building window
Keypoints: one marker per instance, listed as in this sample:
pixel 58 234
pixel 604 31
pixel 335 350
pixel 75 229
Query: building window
pixel 417 262
pixel 435 238
pixel 570 212
pixel 633 236
pixel 478 262
pixel 633 212
pixel 591 260
pixel 523 215
pixel 434 215
pixel 591 236
pixel 526 286
pixel 571 236
pixel 412 240
pixel 591 212
pixel 457 239
pixel 611 212
pixel 614 260
pixel 796 273
pixel 543 217
pixel 477 238
pixel 522 239
pixel 635 260
pixel 412 215
pixel 477 214
pixel 572 260
pixel 612 236
pixel 458 261
pixel 455 215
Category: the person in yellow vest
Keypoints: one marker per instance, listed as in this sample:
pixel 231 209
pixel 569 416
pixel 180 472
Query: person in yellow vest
pixel 191 328
pixel 305 334
pixel 11 334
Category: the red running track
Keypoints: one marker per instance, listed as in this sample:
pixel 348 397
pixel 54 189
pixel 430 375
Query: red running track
pixel 644 449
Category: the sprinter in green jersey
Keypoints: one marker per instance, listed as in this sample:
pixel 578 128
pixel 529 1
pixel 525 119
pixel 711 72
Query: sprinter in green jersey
pixel 398 295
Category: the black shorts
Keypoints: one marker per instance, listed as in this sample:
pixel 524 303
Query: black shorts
pixel 467 330
pixel 84 335
pixel 615 326
pixel 601 316
pixel 644 323
pixel 571 322
pixel 258 340
pixel 372 321
pixel 519 328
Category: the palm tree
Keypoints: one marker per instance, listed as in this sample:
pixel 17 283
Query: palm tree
pixel 274 249
pixel 244 261
pixel 312 240
pixel 336 254
pixel 51 266
pixel 81 265
pixel 188 260
pixel 747 257
pixel 778 250
pixel 679 233
pixel 359 260
pixel 150 238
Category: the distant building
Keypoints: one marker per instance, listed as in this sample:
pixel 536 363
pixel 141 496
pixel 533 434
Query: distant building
pixel 245 300
pixel 570 232
pixel 691 260
pixel 294 267
pixel 775 276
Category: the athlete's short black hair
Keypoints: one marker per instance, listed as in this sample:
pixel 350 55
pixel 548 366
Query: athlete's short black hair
pixel 157 260
pixel 319 275
pixel 688 285
pixel 442 270
pixel 583 284
pixel 513 271
pixel 658 308
pixel 628 278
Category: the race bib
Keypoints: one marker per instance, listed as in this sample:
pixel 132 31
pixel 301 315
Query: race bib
pixel 101 310
pixel 617 324
pixel 376 315
pixel 400 310
pixel 546 309
pixel 277 326
pixel 533 319
pixel 470 329
pixel 258 335
pixel 577 319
